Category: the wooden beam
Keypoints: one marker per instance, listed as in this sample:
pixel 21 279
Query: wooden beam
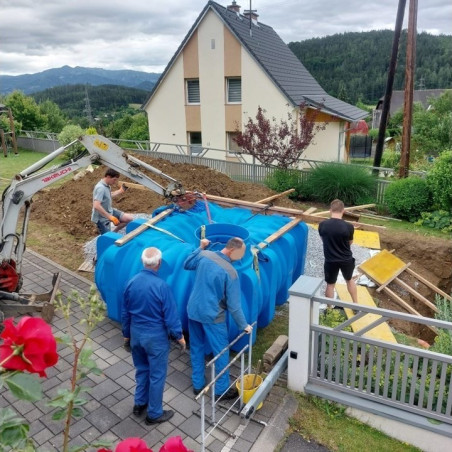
pixel 348 209
pixel 429 284
pixel 143 227
pixel 397 273
pixel 132 185
pixel 403 303
pixel 278 195
pixel 254 206
pixel 310 210
pixel 281 231
pixel 416 294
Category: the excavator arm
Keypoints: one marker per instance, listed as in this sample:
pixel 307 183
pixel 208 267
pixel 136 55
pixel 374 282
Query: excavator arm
pixel 24 185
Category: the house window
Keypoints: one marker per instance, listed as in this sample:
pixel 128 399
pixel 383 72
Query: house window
pixel 195 142
pixel 232 146
pixel 193 96
pixel 234 90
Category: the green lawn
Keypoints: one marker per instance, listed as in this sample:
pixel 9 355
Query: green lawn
pixel 14 164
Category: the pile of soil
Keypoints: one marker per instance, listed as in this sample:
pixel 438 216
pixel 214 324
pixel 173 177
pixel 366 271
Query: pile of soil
pixel 68 208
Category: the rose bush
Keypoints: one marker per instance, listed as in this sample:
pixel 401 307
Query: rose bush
pixel 31 347
pixel 28 346
pixel 173 444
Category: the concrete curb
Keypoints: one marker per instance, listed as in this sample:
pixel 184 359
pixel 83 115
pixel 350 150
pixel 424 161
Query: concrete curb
pixel 275 431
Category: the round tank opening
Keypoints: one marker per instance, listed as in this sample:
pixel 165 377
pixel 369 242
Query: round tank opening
pixel 220 233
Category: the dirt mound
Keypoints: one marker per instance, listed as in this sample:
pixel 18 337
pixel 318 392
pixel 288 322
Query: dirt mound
pixel 69 206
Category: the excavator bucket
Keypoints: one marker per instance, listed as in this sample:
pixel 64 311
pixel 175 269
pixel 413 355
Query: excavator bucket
pixel 13 303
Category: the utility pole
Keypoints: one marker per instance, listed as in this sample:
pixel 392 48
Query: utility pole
pixel 389 85
pixel 409 90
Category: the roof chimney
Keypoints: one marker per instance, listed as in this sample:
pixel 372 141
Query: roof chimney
pixel 234 7
pixel 251 13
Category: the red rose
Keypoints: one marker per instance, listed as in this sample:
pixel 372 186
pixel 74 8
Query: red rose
pixel 132 445
pixel 30 346
pixel 174 444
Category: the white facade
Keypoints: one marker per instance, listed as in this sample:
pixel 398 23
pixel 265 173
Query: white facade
pixel 212 44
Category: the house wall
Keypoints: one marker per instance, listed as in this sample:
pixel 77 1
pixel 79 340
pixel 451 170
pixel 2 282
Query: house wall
pixel 166 113
pixel 211 54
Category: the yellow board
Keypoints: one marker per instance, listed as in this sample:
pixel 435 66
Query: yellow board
pixel 383 267
pixel 367 239
pixel 381 331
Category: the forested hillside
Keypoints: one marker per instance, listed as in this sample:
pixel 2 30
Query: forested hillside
pixel 103 99
pixel 353 66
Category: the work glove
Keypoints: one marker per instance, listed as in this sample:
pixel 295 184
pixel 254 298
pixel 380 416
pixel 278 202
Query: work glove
pixel 114 220
pixel 124 188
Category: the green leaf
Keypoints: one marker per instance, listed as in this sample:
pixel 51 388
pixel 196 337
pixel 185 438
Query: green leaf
pixel 77 413
pixel 25 387
pixel 13 436
pixel 58 415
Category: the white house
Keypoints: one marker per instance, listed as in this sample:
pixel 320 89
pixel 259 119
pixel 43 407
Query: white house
pixel 227 66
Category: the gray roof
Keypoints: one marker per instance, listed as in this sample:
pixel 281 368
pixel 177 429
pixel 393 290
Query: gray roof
pixel 277 61
pixel 398 97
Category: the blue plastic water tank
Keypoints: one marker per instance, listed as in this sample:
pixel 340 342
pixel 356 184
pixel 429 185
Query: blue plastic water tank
pixel 265 276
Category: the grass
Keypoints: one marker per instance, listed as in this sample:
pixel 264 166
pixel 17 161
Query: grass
pixel 326 423
pixel 14 164
pixel 405 226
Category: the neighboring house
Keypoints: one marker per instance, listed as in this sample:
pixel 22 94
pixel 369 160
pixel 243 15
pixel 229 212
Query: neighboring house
pixel 397 101
pixel 227 66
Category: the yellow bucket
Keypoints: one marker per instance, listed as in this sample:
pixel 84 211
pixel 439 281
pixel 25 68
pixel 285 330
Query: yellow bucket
pixel 248 390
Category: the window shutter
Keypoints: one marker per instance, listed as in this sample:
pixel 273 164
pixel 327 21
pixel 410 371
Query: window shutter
pixel 193 92
pixel 234 90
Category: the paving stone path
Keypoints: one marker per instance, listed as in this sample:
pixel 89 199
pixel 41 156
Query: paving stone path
pixel 108 412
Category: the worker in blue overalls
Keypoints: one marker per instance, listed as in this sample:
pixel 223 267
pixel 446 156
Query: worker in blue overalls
pixel 149 319
pixel 216 290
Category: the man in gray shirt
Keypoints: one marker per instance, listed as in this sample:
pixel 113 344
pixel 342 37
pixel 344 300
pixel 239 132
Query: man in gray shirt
pixel 103 213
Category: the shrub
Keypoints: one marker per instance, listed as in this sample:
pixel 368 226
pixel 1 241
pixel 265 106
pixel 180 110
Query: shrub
pixel 439 180
pixel 407 198
pixel 352 184
pixel 69 134
pixel 284 179
pixel 439 219
pixel 391 159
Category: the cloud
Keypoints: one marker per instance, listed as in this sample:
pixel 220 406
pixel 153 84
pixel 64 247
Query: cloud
pixel 143 35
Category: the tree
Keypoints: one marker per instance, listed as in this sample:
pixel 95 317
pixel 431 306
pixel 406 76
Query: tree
pixel 55 119
pixel 284 142
pixel 25 111
pixel 69 134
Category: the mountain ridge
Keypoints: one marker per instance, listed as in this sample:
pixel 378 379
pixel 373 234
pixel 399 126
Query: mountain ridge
pixel 67 75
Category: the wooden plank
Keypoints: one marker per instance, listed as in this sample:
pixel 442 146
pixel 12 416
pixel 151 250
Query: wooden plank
pixel 394 276
pixel 348 209
pixel 278 195
pixel 404 304
pixel 132 185
pixel 310 210
pixel 143 227
pixel 230 202
pixel 380 331
pixel 271 238
pixel 416 294
pixel 429 284
pixel 382 267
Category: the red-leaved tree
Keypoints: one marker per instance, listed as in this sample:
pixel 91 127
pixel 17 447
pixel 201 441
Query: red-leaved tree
pixel 280 143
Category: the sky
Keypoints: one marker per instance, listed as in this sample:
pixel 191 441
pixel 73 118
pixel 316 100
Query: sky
pixel 143 35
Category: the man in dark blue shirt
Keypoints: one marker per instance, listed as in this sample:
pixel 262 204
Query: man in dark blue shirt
pixel 215 291
pixel 337 236
pixel 149 318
